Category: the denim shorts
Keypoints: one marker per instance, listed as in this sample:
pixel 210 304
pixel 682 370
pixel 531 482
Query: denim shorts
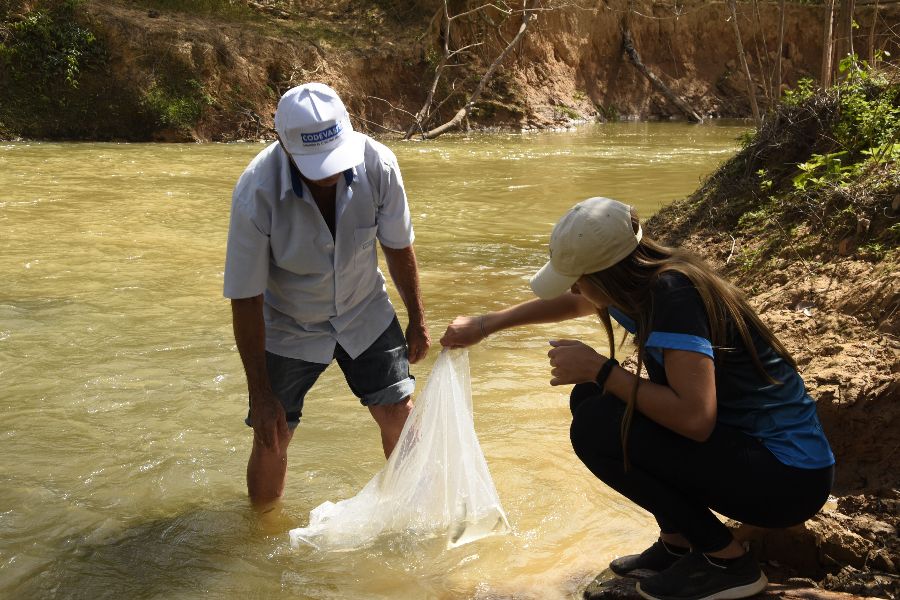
pixel 378 376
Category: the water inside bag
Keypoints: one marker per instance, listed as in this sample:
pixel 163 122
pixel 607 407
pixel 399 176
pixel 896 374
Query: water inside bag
pixel 436 482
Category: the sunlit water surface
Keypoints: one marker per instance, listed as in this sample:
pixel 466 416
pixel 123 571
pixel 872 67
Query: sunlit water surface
pixel 123 448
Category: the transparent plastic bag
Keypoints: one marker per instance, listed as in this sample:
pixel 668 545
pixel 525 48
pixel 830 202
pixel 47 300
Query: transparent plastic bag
pixel 436 482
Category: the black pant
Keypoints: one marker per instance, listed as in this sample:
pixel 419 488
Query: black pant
pixel 679 480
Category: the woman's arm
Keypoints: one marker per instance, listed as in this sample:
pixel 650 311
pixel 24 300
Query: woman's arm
pixel 687 405
pixel 465 331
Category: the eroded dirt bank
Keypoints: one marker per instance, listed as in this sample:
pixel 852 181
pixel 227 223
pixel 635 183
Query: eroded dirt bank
pixel 167 75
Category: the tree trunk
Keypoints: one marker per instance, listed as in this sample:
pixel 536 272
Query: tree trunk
pixel 674 98
pixel 751 92
pixel 828 44
pixel 762 58
pixel 777 90
pixel 844 37
pixel 872 58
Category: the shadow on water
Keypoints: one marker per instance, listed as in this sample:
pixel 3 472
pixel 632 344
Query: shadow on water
pixel 231 552
pixel 188 554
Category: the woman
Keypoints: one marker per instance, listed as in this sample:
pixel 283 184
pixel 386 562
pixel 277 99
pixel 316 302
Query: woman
pixel 723 422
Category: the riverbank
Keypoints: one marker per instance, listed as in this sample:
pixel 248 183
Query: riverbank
pixel 167 70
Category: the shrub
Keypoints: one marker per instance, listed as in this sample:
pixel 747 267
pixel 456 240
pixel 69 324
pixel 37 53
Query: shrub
pixel 48 47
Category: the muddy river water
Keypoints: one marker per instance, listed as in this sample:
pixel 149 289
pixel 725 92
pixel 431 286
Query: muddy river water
pixel 123 448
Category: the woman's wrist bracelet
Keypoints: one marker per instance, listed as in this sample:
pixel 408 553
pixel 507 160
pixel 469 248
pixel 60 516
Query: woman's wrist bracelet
pixel 603 373
pixel 481 326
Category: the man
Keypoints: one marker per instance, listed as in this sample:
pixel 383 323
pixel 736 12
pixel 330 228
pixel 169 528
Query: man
pixel 302 274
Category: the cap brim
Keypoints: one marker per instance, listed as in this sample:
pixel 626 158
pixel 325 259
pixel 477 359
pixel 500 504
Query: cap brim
pixel 548 283
pixel 348 154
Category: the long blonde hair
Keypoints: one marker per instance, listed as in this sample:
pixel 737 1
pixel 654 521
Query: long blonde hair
pixel 627 285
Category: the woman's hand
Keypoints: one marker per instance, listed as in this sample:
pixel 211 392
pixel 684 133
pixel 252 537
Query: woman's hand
pixel 464 331
pixel 572 362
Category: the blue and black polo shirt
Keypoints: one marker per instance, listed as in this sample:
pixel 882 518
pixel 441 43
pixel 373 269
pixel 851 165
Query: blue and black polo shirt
pixel 781 416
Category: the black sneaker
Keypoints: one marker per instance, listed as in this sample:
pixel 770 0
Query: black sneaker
pixel 658 557
pixel 694 577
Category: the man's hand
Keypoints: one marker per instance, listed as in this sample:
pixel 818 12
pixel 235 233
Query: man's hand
pixel 572 361
pixel 418 341
pixel 269 422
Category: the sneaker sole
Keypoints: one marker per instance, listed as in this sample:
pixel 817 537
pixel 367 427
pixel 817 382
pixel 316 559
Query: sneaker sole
pixel 741 591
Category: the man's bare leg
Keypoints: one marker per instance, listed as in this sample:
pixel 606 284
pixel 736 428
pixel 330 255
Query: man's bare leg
pixel 391 418
pixel 267 472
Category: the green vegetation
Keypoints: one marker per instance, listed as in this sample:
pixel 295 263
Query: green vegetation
pixel 324 33
pixel 46 47
pixel 490 109
pixel 178 108
pixel 503 97
pixel 608 113
pixel 47 50
pixel 821 176
pixel 57 80
pixel 234 9
pixel 867 134
pixel 398 11
pixel 567 112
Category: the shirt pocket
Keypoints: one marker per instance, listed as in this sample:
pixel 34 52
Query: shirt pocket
pixel 364 246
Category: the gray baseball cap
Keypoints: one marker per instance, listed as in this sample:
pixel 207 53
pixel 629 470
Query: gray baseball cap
pixel 594 235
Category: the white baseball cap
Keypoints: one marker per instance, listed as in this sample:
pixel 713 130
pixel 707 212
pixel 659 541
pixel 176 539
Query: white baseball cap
pixel 315 129
pixel 594 235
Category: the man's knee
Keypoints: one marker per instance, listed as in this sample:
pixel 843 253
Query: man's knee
pixel 391 415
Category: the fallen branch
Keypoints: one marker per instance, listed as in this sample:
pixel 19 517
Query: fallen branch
pixel 674 98
pixel 397 108
pixel 379 125
pixel 463 112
